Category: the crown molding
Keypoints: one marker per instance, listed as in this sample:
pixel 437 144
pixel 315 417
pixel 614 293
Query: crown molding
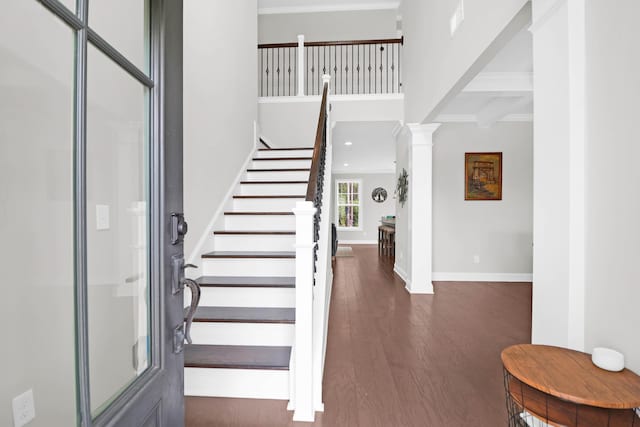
pixel 387 5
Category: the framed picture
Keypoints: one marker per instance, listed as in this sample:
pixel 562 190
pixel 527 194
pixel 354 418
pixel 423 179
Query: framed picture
pixel 483 176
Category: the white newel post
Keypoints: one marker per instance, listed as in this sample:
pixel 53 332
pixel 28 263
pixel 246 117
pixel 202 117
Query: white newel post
pixel 300 64
pixel 303 359
pixel 420 207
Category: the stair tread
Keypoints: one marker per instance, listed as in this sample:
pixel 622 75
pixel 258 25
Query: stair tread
pixel 247 281
pixel 245 314
pixel 285 149
pixel 274 182
pixel 259 196
pixel 257 232
pixel 236 357
pixel 250 254
pixel 257 213
pixel 281 158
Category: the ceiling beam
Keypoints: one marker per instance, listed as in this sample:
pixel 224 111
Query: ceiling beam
pixel 501 84
pixel 500 107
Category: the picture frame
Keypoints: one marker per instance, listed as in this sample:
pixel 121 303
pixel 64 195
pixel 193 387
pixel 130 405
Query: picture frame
pixel 483 176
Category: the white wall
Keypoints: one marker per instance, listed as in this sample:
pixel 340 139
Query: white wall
pixel 433 61
pixel 371 212
pixel 292 121
pixel 612 313
pixel 220 103
pixel 499 232
pixel 327 26
pixel 551 155
pixel 403 237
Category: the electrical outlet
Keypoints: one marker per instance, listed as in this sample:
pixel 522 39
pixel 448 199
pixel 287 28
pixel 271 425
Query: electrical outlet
pixel 23 409
pixel 476 259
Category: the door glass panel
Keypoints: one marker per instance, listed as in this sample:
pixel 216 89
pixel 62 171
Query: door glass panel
pixel 36 213
pixel 117 229
pixel 125 25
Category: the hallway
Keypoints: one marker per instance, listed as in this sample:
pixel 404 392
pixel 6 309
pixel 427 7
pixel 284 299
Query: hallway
pixel 400 360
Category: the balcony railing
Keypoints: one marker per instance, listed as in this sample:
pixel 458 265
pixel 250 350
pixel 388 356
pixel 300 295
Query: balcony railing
pixel 356 67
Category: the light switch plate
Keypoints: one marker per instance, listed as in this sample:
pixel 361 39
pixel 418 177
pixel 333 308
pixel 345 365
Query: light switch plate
pixel 24 409
pixel 102 217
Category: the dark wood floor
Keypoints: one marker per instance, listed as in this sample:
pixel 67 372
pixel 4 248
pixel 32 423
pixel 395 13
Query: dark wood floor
pixel 399 360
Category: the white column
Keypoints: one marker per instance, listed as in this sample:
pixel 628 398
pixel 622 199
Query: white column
pixel 559 173
pixel 420 207
pixel 303 358
pixel 301 65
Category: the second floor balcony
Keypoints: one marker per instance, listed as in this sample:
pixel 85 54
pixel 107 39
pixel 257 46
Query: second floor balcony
pixel 356 67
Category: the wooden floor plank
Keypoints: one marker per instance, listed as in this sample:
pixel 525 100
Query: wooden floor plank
pixel 395 359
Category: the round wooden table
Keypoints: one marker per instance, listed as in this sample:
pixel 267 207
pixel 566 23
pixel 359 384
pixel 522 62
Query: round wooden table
pixel 562 387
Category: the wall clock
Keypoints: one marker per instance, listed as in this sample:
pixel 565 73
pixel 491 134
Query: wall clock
pixel 379 195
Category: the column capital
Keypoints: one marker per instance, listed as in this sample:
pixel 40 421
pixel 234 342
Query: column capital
pixel 422 134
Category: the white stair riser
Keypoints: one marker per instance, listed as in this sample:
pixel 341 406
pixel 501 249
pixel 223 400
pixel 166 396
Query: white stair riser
pixel 225 333
pixel 240 242
pixel 240 383
pixel 248 297
pixel 265 205
pixel 249 266
pixel 278 176
pixel 272 189
pixel 259 222
pixel 283 153
pixel 280 164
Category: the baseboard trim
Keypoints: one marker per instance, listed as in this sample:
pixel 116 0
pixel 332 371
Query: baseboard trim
pixel 481 277
pixel 400 272
pixel 357 242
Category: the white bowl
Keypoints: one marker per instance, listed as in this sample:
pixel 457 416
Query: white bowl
pixel 608 359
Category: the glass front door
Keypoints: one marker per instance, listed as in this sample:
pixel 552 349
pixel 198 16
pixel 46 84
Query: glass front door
pixel 87 147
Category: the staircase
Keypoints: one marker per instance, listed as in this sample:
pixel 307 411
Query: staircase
pixel 243 329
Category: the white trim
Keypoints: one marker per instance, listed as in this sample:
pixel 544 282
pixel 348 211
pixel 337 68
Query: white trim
pixel 356 242
pixel 333 98
pixel 481 277
pixel 471 118
pixel 547 15
pixel 400 272
pixel 328 8
pixel 206 234
pixel 361 171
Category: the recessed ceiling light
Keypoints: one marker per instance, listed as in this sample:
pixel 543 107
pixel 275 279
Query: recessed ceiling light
pixel 348 143
pixel 346 164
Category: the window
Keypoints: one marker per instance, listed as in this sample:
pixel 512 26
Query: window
pixel 348 209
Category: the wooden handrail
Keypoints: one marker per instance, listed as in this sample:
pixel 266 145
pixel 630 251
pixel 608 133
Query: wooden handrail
pixel 318 148
pixel 399 40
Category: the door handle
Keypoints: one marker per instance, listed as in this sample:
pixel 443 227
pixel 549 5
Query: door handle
pixel 194 287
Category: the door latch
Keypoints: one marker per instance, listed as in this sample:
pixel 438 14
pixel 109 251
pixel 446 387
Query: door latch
pixel 179 228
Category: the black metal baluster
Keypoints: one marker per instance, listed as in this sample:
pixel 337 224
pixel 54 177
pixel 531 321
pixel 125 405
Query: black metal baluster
pixel 381 68
pixel 266 83
pixel 306 67
pixel 335 69
pixel 295 70
pixel 393 76
pixel 399 65
pixel 369 68
pixel 358 68
pixel 387 68
pixel 352 80
pixel 278 72
pixel 289 71
pixel 261 77
pixel 346 71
